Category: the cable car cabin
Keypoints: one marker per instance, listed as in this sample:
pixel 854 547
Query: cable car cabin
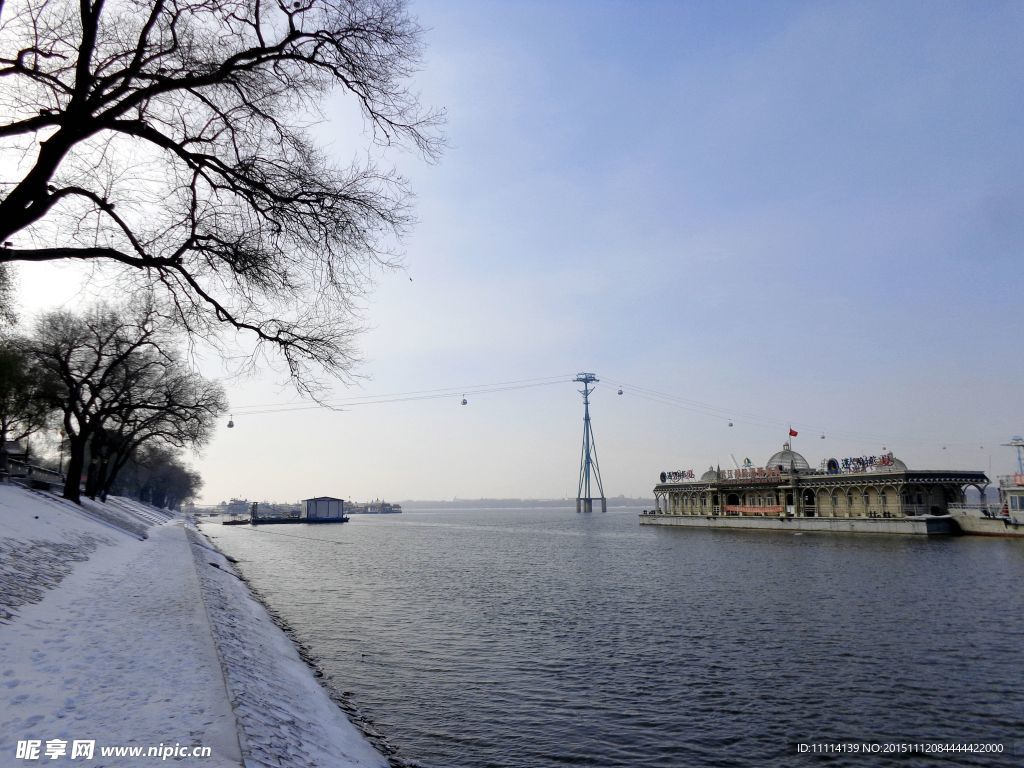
pixel 325 509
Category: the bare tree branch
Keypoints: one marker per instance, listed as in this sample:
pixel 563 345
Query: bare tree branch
pixel 167 136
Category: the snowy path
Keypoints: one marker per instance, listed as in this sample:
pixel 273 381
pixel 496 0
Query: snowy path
pixel 121 653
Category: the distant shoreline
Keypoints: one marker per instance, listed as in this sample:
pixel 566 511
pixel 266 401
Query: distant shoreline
pixel 618 502
pixel 498 504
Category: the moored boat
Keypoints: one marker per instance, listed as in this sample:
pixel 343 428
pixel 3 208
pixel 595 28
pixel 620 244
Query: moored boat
pixel 1004 518
pixel 374 508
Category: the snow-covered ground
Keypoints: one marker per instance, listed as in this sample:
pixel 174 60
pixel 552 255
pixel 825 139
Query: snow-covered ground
pixel 115 629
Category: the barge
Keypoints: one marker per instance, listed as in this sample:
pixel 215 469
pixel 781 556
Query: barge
pixel 864 494
pixel 322 509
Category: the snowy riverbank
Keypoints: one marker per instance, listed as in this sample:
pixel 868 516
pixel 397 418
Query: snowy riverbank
pixel 122 628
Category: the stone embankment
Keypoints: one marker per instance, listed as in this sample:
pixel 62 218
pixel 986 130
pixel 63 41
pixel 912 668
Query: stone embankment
pixel 285 717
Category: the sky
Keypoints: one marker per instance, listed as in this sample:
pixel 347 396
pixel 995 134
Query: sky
pixel 771 214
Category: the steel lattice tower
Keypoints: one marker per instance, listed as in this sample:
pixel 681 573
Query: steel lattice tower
pixel 588 457
pixel 1015 442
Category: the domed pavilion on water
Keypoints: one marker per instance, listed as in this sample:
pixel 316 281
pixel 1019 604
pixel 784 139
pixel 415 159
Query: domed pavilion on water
pixel 787 486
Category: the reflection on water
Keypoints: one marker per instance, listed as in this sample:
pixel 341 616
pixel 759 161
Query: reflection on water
pixel 537 638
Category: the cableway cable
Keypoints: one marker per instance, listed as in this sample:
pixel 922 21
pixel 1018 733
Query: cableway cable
pixel 462 392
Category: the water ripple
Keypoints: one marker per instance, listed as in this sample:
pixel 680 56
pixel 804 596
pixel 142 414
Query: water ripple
pixel 540 638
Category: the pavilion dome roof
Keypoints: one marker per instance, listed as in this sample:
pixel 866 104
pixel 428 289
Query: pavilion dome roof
pixel 788 459
pixel 710 476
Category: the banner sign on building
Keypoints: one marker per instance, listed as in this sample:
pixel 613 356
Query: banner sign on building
pixel 751 473
pixel 678 476
pixel 863 463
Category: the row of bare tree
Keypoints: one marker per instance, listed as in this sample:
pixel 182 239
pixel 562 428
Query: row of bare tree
pixel 115 381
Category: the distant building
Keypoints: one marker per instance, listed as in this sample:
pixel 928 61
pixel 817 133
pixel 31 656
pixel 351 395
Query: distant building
pixel 15 450
pixel 325 508
pixel 12 451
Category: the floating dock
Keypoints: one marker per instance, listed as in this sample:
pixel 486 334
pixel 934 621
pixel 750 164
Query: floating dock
pixel 283 521
pixel 320 509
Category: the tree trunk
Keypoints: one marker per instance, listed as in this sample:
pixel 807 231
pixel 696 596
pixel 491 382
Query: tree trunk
pixel 76 463
pixel 113 470
pixel 3 446
pixel 100 482
pixel 90 478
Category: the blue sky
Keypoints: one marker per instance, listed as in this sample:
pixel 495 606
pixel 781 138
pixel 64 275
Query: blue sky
pixel 804 213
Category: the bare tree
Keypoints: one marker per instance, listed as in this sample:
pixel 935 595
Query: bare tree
pixel 121 384
pixel 167 136
pixel 167 403
pixel 156 475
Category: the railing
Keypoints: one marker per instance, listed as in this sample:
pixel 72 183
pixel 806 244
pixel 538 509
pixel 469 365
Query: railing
pixel 915 510
pixel 883 512
pixel 985 510
pixel 1009 481
pixel 747 510
pixel 23 470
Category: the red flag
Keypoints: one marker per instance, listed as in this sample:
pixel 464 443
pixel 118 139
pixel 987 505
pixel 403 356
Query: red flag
pixel 792 432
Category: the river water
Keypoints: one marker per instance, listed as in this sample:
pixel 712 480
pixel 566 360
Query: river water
pixel 544 638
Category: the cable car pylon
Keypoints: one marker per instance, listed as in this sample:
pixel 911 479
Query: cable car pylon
pixel 588 458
